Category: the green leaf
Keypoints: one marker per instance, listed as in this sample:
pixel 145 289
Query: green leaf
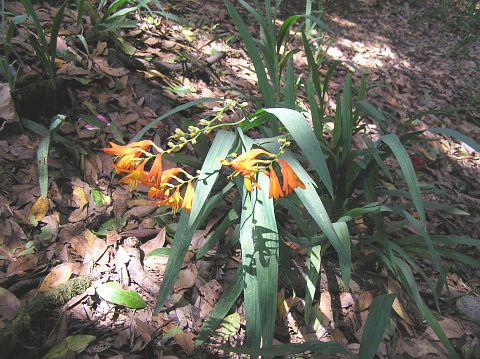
pixel 265 236
pixel 189 222
pixel 290 349
pixel 285 29
pixel 408 172
pixel 253 53
pixel 371 110
pixel 97 197
pixel 177 109
pixel 313 272
pixel 159 252
pixel 457 135
pixel 172 332
pixel 115 224
pixel 229 326
pixel 72 344
pixel 224 304
pixel 250 282
pixel 113 292
pixel 303 135
pixel 378 317
pixel 407 279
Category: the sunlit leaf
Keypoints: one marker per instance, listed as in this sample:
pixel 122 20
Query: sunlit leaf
pixel 113 292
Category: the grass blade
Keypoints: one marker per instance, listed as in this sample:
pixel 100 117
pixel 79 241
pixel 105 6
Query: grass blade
pixel 303 135
pixel 263 83
pixel 378 317
pixel 266 242
pixel 57 20
pixel 313 204
pixel 457 135
pixel 408 172
pixel 223 306
pixel 190 221
pixel 313 271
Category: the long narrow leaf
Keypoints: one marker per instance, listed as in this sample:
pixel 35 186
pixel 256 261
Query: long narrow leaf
pixel 266 257
pixel 224 304
pixel 313 204
pixel 457 135
pixel 301 132
pixel 408 172
pixel 265 87
pixel 378 317
pixel 190 221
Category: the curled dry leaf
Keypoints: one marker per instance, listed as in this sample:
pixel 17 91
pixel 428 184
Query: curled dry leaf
pixel 365 300
pixel 40 208
pixel 57 276
pixel 394 287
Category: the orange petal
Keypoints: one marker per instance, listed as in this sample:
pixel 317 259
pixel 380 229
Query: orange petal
pixel 290 178
pixel 155 174
pixel 275 189
pixel 188 198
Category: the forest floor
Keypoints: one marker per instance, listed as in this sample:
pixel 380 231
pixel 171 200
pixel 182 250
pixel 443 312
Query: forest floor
pixel 413 63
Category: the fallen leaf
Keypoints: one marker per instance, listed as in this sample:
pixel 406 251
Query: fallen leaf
pixel 79 196
pixel 394 287
pixel 40 208
pixel 451 328
pixel 7 105
pixel 186 342
pixel 102 66
pixel 74 343
pixel 186 278
pixel 9 304
pixel 57 276
pixel 364 300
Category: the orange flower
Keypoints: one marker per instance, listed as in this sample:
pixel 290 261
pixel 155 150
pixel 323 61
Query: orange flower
pixel 174 201
pixel 135 176
pixel 249 181
pixel 188 200
pixel 154 176
pixel 290 178
pixel 247 164
pixel 129 154
pixel 156 193
pixel 275 189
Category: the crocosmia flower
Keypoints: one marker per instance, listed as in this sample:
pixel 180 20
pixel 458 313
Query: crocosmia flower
pixel 248 165
pixel 290 178
pixel 128 155
pixel 275 189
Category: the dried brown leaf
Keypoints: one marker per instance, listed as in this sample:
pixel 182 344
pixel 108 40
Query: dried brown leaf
pixel 57 276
